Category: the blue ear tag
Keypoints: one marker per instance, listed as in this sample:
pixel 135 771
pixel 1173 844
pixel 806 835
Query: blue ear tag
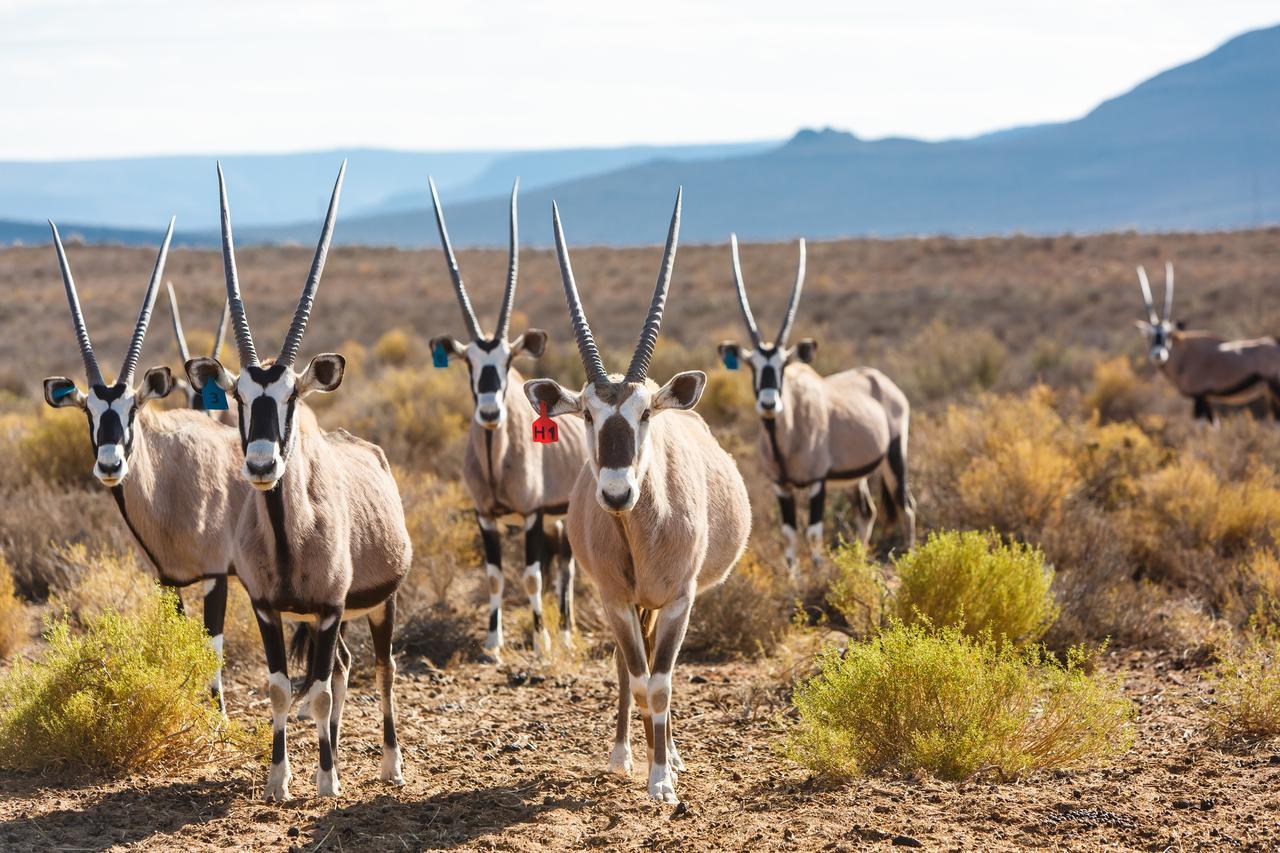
pixel 439 358
pixel 731 359
pixel 64 391
pixel 214 398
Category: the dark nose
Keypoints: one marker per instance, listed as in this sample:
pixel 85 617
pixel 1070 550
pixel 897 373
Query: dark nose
pixel 617 501
pixel 486 415
pixel 110 469
pixel 259 468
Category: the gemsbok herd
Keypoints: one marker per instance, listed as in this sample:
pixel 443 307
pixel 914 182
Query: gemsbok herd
pixel 620 476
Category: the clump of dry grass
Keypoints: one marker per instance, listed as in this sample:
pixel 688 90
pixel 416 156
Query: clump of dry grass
pixel 942 362
pixel 1117 394
pixel 858 592
pixel 746 616
pixel 393 347
pixel 128 692
pixel 102 581
pixel 441 522
pixel 15 621
pixel 1246 679
pixel 913 699
pixel 419 417
pixel 50 446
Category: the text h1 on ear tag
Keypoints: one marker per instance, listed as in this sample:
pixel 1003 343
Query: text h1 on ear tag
pixel 730 359
pixel 213 397
pixel 545 430
pixel 439 358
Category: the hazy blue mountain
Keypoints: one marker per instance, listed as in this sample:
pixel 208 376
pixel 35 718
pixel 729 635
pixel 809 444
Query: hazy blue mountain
pixel 1195 147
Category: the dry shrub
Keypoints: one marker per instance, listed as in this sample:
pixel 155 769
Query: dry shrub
pixel 15 621
pixel 241 639
pixel 1247 688
pixel 393 347
pixel 1253 593
pixel 744 617
pixel 102 581
pixel 978 583
pixel 418 417
pixel 441 522
pixel 917 699
pixel 858 592
pixel 728 397
pixel 1117 394
pixel 52 446
pixel 941 362
pixel 128 693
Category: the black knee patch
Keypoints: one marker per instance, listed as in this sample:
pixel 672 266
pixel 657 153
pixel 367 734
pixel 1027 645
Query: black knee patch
pixel 277 746
pixel 389 732
pixel 326 755
pixel 215 606
pixel 817 505
pixel 272 642
pixel 493 621
pixel 535 543
pixel 787 507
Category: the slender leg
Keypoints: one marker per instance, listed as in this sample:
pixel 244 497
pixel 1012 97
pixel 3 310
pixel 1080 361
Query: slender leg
pixel 620 758
pixel 787 510
pixel 535 551
pixel 320 696
pixel 281 692
pixel 673 621
pixel 865 516
pixel 381 624
pixel 629 636
pixel 1273 394
pixel 215 614
pixel 813 533
pixel 341 672
pixel 1203 410
pixel 564 582
pixel 903 500
pixel 492 541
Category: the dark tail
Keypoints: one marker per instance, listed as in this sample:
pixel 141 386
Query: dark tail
pixel 300 652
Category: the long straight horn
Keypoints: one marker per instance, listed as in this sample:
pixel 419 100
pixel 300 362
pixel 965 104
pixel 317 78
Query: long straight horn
pixel 742 292
pixel 177 323
pixel 130 365
pixel 92 373
pixel 639 368
pixel 789 318
pixel 577 317
pixel 1146 295
pixel 1168 290
pixel 239 322
pixel 468 313
pixel 293 340
pixel 513 268
pixel 221 334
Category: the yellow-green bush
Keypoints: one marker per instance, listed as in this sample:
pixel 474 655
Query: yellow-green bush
pixel 54 446
pixel 1117 393
pixel 1247 687
pixel 978 583
pixel 129 692
pixel 393 347
pixel 858 590
pixel 915 699
pixel 1186 503
pixel 14 619
pixel 103 580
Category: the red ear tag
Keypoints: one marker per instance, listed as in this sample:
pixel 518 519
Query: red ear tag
pixel 545 430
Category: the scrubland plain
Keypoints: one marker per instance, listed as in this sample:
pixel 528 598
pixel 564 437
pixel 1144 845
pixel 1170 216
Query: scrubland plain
pixel 1114 620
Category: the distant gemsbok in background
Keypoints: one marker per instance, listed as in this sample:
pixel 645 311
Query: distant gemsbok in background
pixel 506 473
pixel 324 538
pixel 1206 367
pixel 194 400
pixel 815 429
pixel 659 513
pixel 183 497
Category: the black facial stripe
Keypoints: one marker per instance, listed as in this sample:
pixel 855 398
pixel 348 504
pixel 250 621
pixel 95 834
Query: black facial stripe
pixel 110 430
pixel 264 420
pixel 617 442
pixel 768 377
pixel 489 382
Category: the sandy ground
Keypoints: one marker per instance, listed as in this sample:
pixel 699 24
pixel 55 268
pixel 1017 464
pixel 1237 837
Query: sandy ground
pixel 496 759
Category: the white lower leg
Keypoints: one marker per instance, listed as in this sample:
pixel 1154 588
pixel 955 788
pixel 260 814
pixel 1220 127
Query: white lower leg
pixel 533 589
pixel 817 548
pixel 565 593
pixel 662 777
pixel 280 691
pixel 493 642
pixel 392 767
pixel 789 550
pixel 321 700
pixel 215 684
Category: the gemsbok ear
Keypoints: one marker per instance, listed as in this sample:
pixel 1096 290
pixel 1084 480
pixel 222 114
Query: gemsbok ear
pixel 727 349
pixel 682 392
pixel 453 348
pixel 559 400
pixel 324 374
pixel 1142 326
pixel 203 370
pixel 532 343
pixel 806 350
pixel 59 392
pixel 156 384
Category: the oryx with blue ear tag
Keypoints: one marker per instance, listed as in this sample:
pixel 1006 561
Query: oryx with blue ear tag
pixel 172 473
pixel 212 400
pixel 817 429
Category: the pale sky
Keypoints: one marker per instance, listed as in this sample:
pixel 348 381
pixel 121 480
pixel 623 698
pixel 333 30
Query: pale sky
pixel 98 79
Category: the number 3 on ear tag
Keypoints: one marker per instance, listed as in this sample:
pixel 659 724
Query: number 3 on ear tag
pixel 730 359
pixel 439 358
pixel 545 430
pixel 213 397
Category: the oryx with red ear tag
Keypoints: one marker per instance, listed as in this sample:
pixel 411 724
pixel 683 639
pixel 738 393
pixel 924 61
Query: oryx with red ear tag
pixel 509 471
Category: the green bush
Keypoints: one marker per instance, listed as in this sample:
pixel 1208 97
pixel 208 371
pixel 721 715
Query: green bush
pixel 1247 688
pixel 858 590
pixel 127 693
pixel 914 698
pixel 976 581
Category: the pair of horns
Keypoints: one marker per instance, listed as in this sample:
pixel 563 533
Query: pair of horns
pixel 639 368
pixel 1146 293
pixel 130 365
pixel 508 296
pixel 240 323
pixel 788 319
pixel 182 338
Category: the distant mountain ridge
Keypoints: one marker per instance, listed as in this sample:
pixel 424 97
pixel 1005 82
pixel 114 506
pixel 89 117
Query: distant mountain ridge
pixel 1195 147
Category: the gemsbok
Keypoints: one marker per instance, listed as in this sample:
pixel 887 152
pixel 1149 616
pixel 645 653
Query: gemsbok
pixel 507 474
pixel 817 429
pixel 171 473
pixel 323 540
pixel 658 514
pixel 1206 367
pixel 194 400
